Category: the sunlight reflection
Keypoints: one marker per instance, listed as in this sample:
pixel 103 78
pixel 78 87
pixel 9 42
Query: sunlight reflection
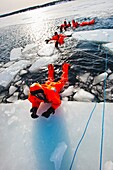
pixel 39 27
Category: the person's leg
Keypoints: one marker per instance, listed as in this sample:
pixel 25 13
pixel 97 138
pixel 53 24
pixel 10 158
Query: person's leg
pixel 60 28
pixel 50 72
pixel 64 76
pixel 56 44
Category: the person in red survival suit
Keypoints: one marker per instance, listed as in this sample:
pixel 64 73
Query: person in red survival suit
pixel 48 92
pixel 69 24
pixel 63 26
pixel 74 24
pixel 59 39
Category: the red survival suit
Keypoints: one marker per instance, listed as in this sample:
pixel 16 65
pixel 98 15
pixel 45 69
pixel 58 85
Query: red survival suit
pixel 59 38
pixel 84 23
pixel 51 89
pixel 75 24
pixel 65 26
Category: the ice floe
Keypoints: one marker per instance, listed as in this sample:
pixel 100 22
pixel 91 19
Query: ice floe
pixel 9 73
pixel 100 35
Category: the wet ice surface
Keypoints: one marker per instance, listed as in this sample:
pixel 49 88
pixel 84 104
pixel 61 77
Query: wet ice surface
pixel 51 143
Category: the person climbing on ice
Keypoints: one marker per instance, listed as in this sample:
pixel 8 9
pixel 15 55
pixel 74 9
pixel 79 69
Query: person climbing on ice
pixel 59 39
pixel 48 92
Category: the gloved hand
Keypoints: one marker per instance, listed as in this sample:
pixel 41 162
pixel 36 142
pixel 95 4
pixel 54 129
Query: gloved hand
pixel 46 41
pixel 33 111
pixel 48 112
pixel 69 35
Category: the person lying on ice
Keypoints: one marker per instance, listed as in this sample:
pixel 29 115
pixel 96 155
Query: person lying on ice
pixel 48 92
pixel 59 39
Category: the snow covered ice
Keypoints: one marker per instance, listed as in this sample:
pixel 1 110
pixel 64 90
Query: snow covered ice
pixel 29 144
pixel 32 144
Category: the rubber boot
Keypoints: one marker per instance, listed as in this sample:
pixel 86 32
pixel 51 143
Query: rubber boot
pixel 50 72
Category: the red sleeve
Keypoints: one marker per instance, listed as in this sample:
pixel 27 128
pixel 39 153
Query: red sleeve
pixel 56 102
pixel 63 36
pixel 54 98
pixel 54 38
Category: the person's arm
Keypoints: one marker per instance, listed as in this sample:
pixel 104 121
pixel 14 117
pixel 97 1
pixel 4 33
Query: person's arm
pixel 53 38
pixel 35 105
pixel 47 41
pixel 55 101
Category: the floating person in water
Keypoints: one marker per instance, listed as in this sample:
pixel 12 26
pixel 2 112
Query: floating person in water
pixel 64 26
pixel 58 38
pixel 48 92
pixel 69 24
pixel 74 24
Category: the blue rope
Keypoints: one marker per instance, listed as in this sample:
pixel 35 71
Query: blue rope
pixel 103 115
pixel 82 136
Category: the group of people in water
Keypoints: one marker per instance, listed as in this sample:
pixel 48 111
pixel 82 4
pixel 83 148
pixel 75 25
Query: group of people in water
pixel 49 92
pixel 59 38
pixel 74 24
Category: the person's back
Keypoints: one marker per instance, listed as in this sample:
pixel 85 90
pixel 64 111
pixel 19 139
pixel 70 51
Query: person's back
pixel 69 24
pixel 75 24
pixel 61 39
pixel 58 38
pixel 48 92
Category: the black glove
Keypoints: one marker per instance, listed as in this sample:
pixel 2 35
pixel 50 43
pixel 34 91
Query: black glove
pixel 48 112
pixel 33 111
pixel 46 41
pixel 69 35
